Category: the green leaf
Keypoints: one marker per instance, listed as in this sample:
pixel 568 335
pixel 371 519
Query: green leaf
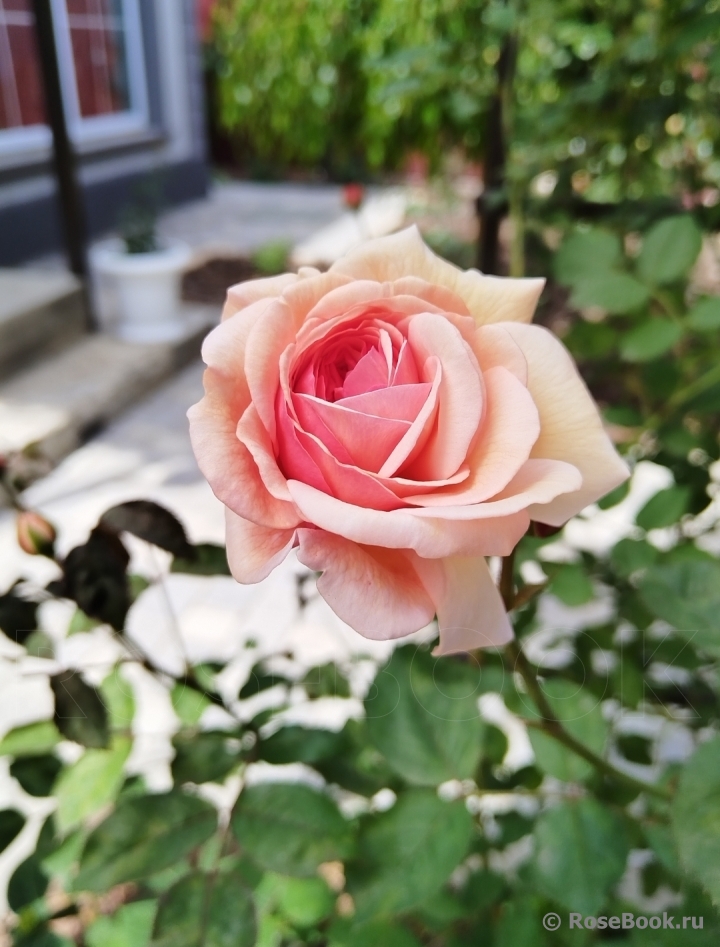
pixel 580 852
pixel 661 841
pixel 687 596
pixel 615 496
pixel 581 714
pixel 34 739
pixel 203 757
pixel 664 509
pixel 188 704
pixel 408 853
pixel 119 702
pixel 80 713
pixel 616 292
pixel 669 249
pixel 206 911
pixel 144 835
pixel 130 926
pixel 572 585
pixel 584 255
pixel 650 340
pixel 300 745
pixel 80 623
pixel 696 817
pixel 630 556
pixel 371 934
pixel 705 315
pixel 290 828
pixel 422 715
pixel 94 578
pixel 89 784
pixel 36 774
pixel 520 923
pixel 29 881
pixel 208 559
pixel 149 521
pixel 18 616
pixel 304 902
pixel 11 825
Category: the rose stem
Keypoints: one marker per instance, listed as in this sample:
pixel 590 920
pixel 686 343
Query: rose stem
pixel 549 721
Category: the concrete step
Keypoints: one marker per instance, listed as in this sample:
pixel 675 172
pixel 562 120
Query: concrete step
pixel 41 312
pixel 49 409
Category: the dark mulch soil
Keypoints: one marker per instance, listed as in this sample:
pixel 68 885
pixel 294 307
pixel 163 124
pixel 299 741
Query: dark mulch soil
pixel 208 283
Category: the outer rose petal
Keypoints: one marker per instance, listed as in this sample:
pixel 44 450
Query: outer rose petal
pixel 243 294
pixel 254 551
pixel 488 298
pixel 228 466
pixel 378 592
pixel 442 531
pixel 570 424
pixel 469 608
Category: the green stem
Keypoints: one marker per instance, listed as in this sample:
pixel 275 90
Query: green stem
pixel 551 725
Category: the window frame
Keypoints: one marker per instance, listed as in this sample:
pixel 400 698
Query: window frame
pixel 25 143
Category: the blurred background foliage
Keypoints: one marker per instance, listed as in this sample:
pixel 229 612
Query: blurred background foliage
pixel 620 98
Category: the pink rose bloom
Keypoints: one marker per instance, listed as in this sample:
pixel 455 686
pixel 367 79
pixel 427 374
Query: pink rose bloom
pixel 396 420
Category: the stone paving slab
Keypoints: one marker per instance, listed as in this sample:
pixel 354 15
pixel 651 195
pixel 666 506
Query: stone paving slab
pixel 57 403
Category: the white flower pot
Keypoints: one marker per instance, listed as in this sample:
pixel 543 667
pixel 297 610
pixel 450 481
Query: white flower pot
pixel 138 294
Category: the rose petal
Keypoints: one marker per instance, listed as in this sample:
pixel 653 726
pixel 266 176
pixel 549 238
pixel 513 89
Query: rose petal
pixel 293 459
pixel 254 551
pixel 367 439
pixel 347 481
pixel 399 403
pixel 272 333
pixel 375 591
pixel 570 425
pixel 229 468
pixel 412 443
pixel 370 373
pixel 494 347
pixel 469 608
pixel 510 428
pixel 441 531
pixel 460 399
pixel 252 434
pixel 488 298
pixel 244 294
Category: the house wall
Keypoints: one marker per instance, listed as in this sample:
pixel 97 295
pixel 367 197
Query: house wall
pixel 172 147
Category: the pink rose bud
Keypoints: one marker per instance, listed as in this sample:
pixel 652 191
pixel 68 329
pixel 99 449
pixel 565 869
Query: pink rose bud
pixel 35 535
pixel 396 421
pixel 353 195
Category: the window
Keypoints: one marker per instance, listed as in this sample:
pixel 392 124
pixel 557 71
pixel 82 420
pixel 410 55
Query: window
pixel 102 71
pixel 22 108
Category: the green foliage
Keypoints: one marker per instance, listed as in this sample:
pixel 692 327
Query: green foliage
pixel 580 851
pixel 290 828
pixel 581 714
pixel 669 250
pixel 687 595
pixel 11 824
pixel 208 910
pixel 407 854
pixel 144 835
pixel 94 781
pixel 80 712
pixel 422 715
pixel 696 817
pixel 130 926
